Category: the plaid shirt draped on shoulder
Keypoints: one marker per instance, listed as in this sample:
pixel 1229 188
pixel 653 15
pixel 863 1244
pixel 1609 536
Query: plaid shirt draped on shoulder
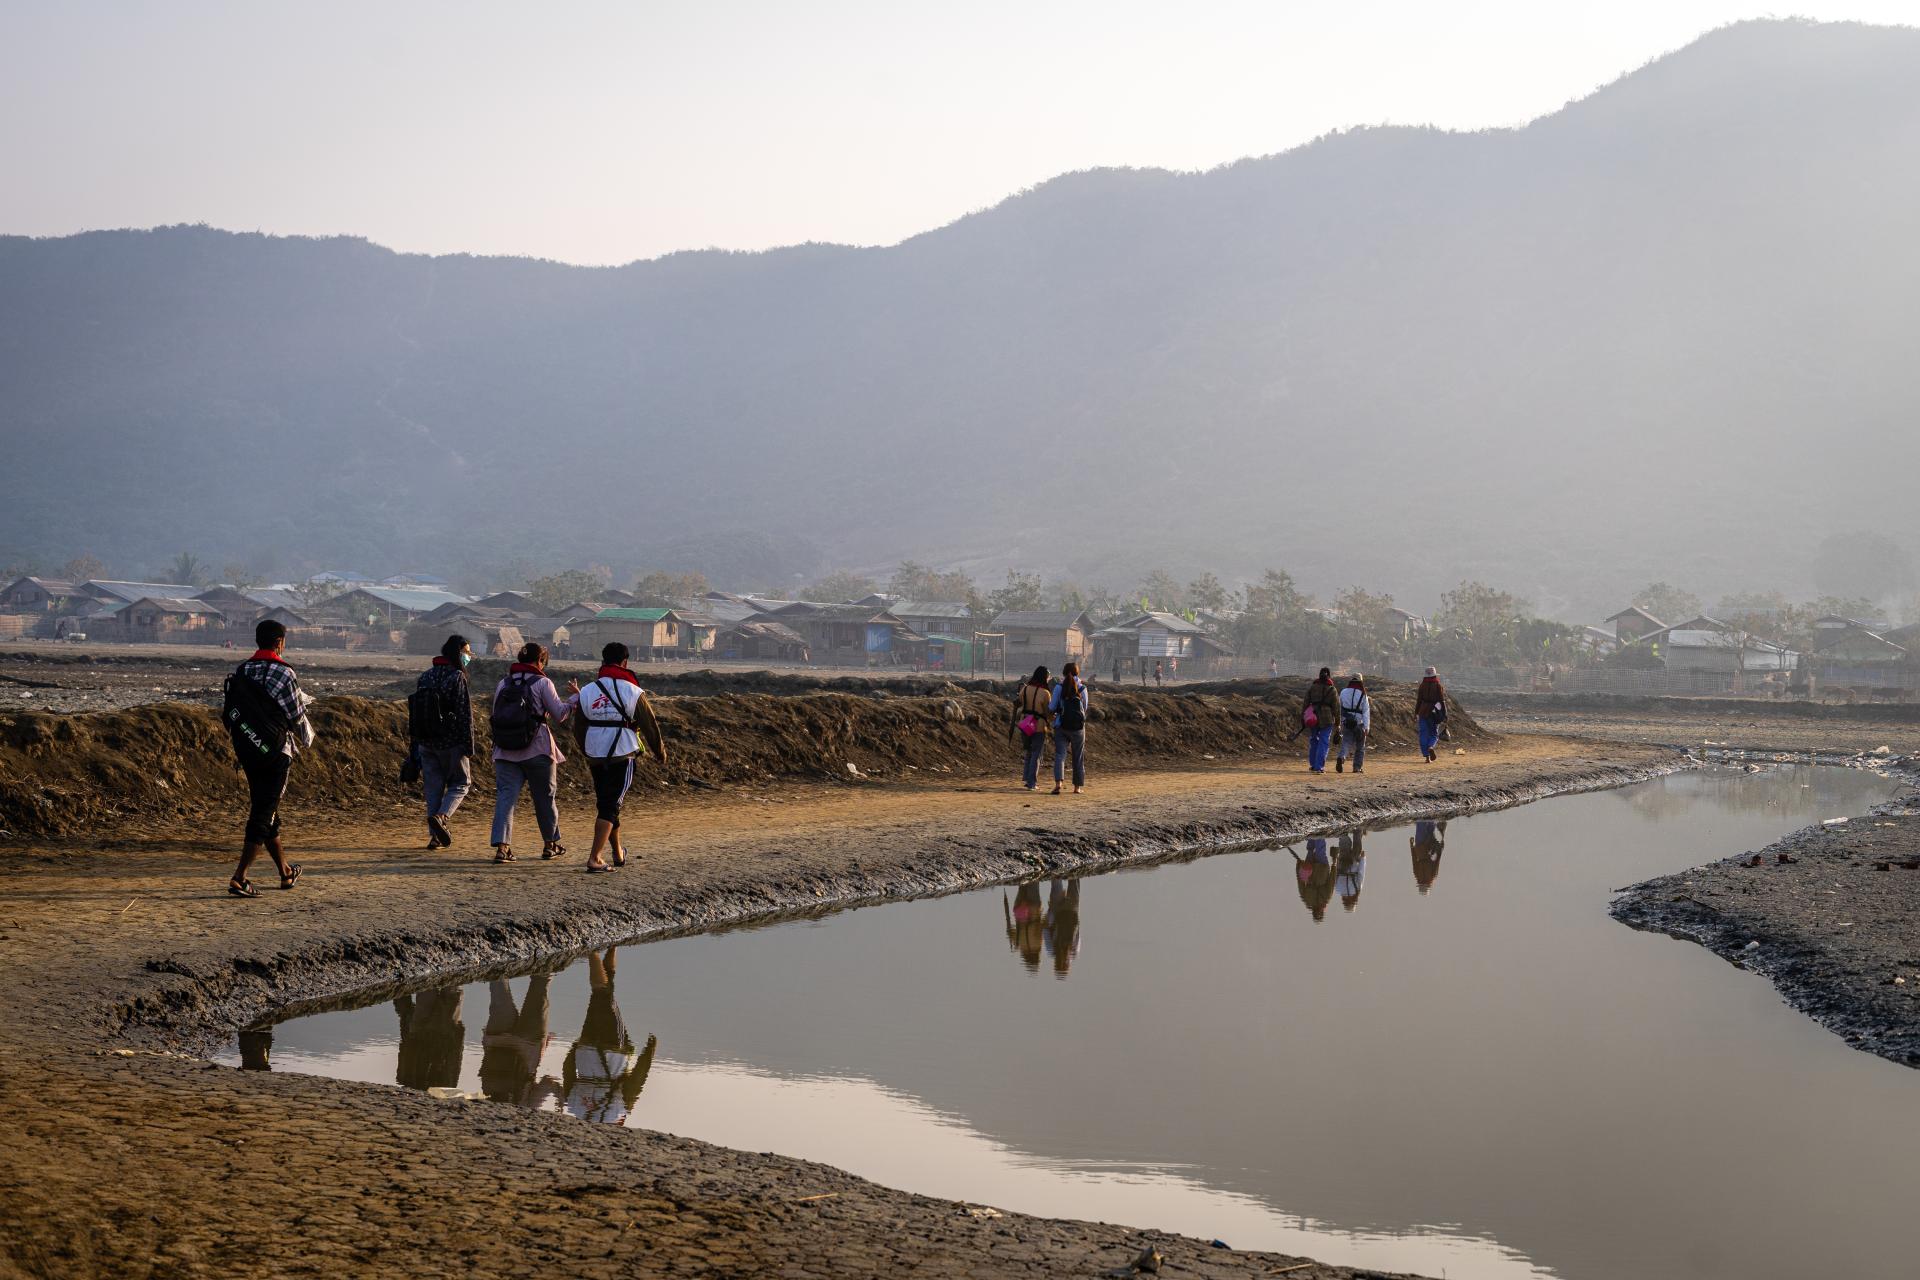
pixel 277 679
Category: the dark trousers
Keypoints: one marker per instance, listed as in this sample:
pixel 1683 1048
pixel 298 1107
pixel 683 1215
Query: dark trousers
pixel 266 784
pixel 611 778
pixel 1035 745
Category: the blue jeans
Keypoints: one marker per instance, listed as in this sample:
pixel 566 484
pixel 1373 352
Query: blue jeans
pixel 446 776
pixel 1318 740
pixel 1035 745
pixel 1429 734
pixel 1074 740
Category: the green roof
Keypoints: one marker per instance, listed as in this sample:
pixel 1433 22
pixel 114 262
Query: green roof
pixel 633 615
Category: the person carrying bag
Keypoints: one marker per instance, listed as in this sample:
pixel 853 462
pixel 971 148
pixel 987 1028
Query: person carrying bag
pixel 614 718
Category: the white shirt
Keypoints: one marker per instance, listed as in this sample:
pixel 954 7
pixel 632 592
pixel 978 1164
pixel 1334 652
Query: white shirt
pixel 603 702
pixel 1354 702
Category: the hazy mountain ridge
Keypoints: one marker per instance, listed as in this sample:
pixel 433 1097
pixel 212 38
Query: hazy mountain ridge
pixel 1662 332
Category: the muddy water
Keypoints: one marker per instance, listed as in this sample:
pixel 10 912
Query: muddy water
pixel 1427 1048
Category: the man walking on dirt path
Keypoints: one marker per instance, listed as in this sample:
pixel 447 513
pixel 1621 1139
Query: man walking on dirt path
pixel 1319 712
pixel 266 713
pixel 440 722
pixel 1356 722
pixel 614 712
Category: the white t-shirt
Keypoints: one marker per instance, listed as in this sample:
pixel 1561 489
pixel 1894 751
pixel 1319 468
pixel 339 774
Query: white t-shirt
pixel 603 702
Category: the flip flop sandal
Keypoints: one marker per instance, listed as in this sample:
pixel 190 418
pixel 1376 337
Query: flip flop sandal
pixel 242 889
pixel 595 868
pixel 619 858
pixel 292 877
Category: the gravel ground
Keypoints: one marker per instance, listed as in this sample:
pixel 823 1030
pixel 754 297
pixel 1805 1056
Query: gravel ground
pixel 122 1154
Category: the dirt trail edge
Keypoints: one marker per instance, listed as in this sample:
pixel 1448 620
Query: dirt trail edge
pixel 122 1155
pixel 1830 914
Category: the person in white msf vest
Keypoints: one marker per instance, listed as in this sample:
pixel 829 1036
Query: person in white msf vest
pixel 610 704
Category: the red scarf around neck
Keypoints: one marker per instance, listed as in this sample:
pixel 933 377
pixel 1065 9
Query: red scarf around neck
pixel 618 673
pixel 267 655
pixel 525 668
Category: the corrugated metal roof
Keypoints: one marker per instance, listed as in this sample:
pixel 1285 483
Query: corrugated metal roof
pixel 930 609
pixel 131 591
pixel 1036 619
pixel 628 614
pixel 416 600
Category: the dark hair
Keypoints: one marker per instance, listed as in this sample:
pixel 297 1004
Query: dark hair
pixel 613 653
pixel 1039 676
pixel 451 649
pixel 268 632
pixel 532 653
pixel 1070 672
pixel 1326 673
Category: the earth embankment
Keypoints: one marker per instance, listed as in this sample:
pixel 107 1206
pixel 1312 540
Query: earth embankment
pixel 166 766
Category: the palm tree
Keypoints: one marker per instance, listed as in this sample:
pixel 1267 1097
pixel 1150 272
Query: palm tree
pixel 187 568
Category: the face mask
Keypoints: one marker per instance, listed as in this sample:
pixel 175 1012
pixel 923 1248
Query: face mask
pixel 465 658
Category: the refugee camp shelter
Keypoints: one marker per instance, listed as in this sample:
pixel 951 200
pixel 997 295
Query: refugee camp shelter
pixel 1633 623
pixel 1858 656
pixel 169 619
pixel 43 595
pixel 1052 637
pixel 699 632
pixel 1707 644
pixel 519 601
pixel 928 617
pixel 762 639
pixel 111 590
pixel 1146 638
pixel 391 606
pixel 649 634
pixel 853 635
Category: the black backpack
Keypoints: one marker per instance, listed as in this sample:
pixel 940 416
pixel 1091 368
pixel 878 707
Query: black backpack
pixel 255 722
pixel 433 714
pixel 1073 713
pixel 516 716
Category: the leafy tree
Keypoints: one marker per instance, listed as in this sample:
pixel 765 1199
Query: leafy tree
pixel 1161 594
pixel 311 594
pixel 1206 592
pixel 1275 595
pixel 841 584
pixel 186 567
pixel 660 590
pixel 1366 629
pixel 1482 622
pixel 1668 603
pixel 913 581
pixel 1022 591
pixel 84 567
pixel 558 590
pixel 240 577
pixel 1275 622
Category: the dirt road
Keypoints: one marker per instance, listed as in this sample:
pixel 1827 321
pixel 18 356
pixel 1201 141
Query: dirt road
pixel 118 1157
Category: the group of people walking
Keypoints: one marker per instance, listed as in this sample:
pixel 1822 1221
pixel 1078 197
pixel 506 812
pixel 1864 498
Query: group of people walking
pixel 1340 720
pixel 265 711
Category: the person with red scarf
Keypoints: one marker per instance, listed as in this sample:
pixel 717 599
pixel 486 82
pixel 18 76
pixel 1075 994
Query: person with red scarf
pixel 267 773
pixel 613 707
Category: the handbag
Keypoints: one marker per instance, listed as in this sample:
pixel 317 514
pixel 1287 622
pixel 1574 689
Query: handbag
pixel 1028 725
pixel 410 767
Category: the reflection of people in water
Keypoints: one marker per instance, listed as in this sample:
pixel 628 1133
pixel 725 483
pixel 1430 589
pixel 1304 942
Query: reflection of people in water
pixel 603 1077
pixel 1351 866
pixel 255 1046
pixel 1063 924
pixel 1428 841
pixel 1315 876
pixel 431 1038
pixel 512 1044
pixel 1026 924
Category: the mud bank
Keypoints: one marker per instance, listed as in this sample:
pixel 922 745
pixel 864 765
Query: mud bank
pixel 1831 915
pixel 197 1170
pixel 159 767
pixel 1709 723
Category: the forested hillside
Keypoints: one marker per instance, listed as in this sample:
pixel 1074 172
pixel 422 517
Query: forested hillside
pixel 1667 331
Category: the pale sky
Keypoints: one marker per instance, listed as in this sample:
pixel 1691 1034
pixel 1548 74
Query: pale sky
pixel 605 132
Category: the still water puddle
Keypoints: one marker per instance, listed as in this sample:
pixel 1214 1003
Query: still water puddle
pixel 1426 1048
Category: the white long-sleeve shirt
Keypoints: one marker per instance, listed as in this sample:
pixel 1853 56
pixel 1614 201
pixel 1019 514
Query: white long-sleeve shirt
pixel 1354 704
